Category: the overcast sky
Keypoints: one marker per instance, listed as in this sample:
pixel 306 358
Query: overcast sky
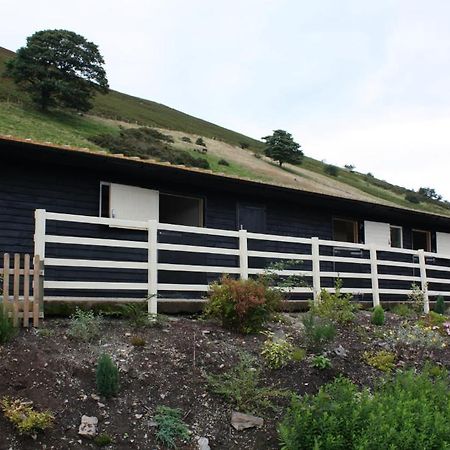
pixel 355 81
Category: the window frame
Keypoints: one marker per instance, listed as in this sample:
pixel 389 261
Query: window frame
pixel 191 197
pixel 355 228
pixel 398 227
pixel 428 234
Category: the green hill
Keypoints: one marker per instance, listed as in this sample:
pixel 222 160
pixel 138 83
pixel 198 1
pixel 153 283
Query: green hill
pixel 18 117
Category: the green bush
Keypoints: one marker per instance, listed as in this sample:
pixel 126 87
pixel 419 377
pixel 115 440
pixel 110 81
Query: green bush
pixel 298 354
pixel 403 310
pixel 242 305
pixel 408 411
pixel 277 352
pixel 107 376
pixel 382 360
pixel 103 440
pixel 186 139
pixel 321 362
pixel 223 162
pixel 240 386
pixel 200 141
pixel 171 427
pixel 439 306
pixel 84 325
pixel 336 306
pixel 7 329
pixel 22 415
pixel 378 315
pixel 416 297
pixel 331 170
pixel 318 332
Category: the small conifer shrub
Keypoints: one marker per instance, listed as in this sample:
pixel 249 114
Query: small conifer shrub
pixel 439 307
pixel 378 315
pixel 107 376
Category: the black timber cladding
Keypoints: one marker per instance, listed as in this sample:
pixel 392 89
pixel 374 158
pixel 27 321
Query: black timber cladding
pixel 67 181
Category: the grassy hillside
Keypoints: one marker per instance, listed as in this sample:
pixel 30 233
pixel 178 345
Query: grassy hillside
pixel 18 117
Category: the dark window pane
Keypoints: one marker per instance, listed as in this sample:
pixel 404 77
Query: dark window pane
pixel 396 237
pixel 421 240
pixel 344 230
pixel 104 200
pixel 180 210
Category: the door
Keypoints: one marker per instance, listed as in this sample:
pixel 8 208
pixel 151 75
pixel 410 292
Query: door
pixel 443 243
pixel 252 218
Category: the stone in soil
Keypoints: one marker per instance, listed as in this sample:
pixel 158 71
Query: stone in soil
pixel 241 421
pixel 88 426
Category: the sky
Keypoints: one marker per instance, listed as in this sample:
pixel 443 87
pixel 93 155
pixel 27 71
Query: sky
pixel 357 82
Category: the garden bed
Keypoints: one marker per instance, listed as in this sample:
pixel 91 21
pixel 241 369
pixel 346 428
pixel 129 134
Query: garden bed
pixel 57 373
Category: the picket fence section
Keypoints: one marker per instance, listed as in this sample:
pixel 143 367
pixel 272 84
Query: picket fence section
pixel 21 288
pixel 370 265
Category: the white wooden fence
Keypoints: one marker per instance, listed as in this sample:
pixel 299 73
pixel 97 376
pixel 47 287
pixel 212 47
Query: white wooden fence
pixel 365 263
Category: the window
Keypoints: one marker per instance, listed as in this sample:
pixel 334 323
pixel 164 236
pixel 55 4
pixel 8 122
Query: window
pixel 421 240
pixel 180 210
pixel 345 230
pixel 105 199
pixel 396 237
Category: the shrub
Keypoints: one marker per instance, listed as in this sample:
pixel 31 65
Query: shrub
pixel 136 314
pixel 242 305
pixel 223 162
pixel 321 362
pixel 240 386
pixel 416 298
pixel 335 306
pixel 103 440
pixel 22 415
pixel 298 354
pixel 84 325
pixel 378 315
pixel 413 197
pixel 277 352
pixel 7 329
pixel 171 427
pixel 415 336
pixel 439 306
pixel 408 411
pixel 331 170
pixel 137 341
pixel 107 376
pixel 382 360
pixel 403 310
pixel 317 332
pixel 244 145
pixel 186 139
pixel 200 141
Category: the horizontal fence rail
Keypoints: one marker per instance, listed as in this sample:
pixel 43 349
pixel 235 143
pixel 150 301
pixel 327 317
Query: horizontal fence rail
pixel 136 259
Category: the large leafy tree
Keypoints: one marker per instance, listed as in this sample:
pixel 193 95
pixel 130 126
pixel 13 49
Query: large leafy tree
pixel 281 147
pixel 59 68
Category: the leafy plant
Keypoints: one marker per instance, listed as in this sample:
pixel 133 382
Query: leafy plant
pixel 335 306
pixel 318 332
pixel 7 329
pixel 403 310
pixel 200 141
pixel 276 352
pixel 171 426
pixel 137 341
pixel 107 376
pixel 186 139
pixel 240 386
pixel 84 325
pixel 407 411
pixel 416 297
pixel 298 354
pixel 382 360
pixel 22 415
pixel 321 362
pixel 378 315
pixel 223 162
pixel 415 336
pixel 439 306
pixel 103 440
pixel 242 305
pixel 435 370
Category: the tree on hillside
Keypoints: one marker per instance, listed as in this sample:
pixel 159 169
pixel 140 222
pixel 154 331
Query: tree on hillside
pixel 429 193
pixel 281 147
pixel 59 68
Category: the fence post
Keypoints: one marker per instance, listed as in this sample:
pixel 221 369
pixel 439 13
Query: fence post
pixel 39 233
pixel 315 253
pixel 423 280
pixel 38 289
pixel 243 254
pixel 152 302
pixel 374 275
pixel 6 266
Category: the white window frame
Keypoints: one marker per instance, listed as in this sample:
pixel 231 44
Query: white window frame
pixel 398 227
